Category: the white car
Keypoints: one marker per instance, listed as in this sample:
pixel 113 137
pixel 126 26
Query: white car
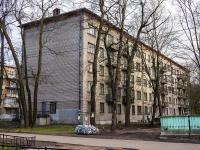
pixel 7 117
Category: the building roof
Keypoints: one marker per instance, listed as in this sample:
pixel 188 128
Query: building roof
pixel 78 12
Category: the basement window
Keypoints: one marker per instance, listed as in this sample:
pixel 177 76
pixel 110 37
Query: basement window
pixel 52 107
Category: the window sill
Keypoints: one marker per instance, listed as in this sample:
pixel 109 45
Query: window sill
pixel 92 35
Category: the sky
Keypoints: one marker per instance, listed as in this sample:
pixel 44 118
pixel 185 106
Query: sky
pixel 169 4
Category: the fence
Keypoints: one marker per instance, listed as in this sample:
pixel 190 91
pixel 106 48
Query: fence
pixel 180 125
pixel 21 143
pixel 17 141
pixel 8 147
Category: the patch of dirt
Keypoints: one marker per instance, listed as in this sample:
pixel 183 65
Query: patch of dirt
pixel 40 144
pixel 138 132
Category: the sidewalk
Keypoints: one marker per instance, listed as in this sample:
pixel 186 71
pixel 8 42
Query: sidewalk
pixel 134 144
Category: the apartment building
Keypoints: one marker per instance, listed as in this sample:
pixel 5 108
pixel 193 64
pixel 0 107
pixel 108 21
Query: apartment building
pixel 9 104
pixel 66 76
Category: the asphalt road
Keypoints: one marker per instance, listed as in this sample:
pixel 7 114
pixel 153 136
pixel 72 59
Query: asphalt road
pixel 117 143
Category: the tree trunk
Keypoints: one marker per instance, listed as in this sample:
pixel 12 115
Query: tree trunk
pixel 154 110
pixel 94 69
pixel 20 77
pixel 2 65
pixel 26 75
pixel 38 72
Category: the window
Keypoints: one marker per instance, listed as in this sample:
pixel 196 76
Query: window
pixel 145 82
pixel 149 58
pixel 169 89
pixel 132 93
pixel 144 56
pixel 138 53
pixel 101 107
pixel 153 72
pixel 110 108
pixel 101 71
pixel 168 68
pixel 132 79
pixel 110 39
pixel 101 53
pixel 146 110
pixel 101 88
pixel 89 107
pixel 138 95
pixel 125 77
pixel 91 48
pixel 119 111
pixel 90 67
pixel 52 107
pixel 118 93
pixel 139 110
pixel 102 36
pixel 170 100
pixel 173 101
pixel 145 96
pixel 8 91
pixel 150 97
pixel 133 109
pixel 89 86
pixel 91 30
pixel 138 81
pixel 137 66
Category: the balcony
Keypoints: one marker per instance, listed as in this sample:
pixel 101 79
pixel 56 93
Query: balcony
pixel 124 53
pixel 165 104
pixel 163 69
pixel 163 80
pixel 153 78
pixel 180 105
pixel 11 105
pixel 11 87
pixel 107 80
pixel 183 77
pixel 12 95
pixel 180 95
pixel 131 84
pixel 112 46
pixel 124 99
pixel 109 98
pixel 124 67
pixel 113 63
pixel 179 85
pixel 184 87
pixel 164 91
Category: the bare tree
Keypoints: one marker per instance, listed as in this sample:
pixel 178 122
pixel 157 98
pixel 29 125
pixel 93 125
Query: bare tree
pixel 95 61
pixel 20 16
pixel 2 52
pixel 189 21
pixel 17 62
pixel 143 18
pixel 117 15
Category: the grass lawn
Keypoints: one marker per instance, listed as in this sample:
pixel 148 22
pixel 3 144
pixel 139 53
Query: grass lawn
pixel 48 129
pixel 59 129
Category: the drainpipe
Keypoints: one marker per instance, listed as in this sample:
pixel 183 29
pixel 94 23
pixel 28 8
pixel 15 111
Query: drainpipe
pixel 80 63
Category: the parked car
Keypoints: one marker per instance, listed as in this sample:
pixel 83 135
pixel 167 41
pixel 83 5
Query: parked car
pixel 8 117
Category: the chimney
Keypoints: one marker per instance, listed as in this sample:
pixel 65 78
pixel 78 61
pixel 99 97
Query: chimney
pixel 56 12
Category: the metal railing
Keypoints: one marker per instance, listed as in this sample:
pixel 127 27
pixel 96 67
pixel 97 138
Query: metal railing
pixel 7 147
pixel 17 141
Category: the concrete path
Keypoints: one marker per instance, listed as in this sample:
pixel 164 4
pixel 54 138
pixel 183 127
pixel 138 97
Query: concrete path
pixel 140 145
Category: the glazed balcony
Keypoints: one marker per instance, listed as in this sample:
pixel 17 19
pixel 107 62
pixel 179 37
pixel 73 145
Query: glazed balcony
pixel 109 98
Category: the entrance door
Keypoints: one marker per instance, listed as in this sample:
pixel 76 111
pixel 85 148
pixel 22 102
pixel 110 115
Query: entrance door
pixel 43 108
